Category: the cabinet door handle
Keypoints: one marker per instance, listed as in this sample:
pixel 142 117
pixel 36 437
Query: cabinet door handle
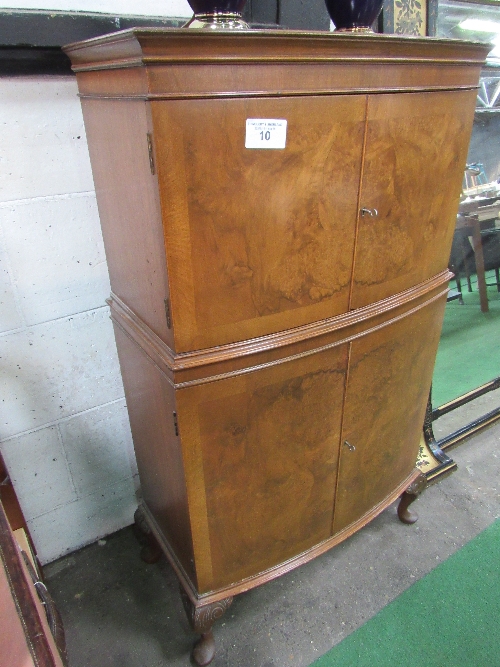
pixel 372 212
pixel 351 448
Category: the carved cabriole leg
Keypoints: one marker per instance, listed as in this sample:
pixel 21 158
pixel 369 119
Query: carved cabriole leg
pixel 201 620
pixel 151 551
pixel 411 494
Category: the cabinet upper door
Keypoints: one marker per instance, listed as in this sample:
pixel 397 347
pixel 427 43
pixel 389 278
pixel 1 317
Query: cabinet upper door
pixel 416 147
pixel 258 240
pixel 388 384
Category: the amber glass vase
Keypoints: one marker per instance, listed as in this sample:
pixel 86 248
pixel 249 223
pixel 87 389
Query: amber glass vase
pixel 217 15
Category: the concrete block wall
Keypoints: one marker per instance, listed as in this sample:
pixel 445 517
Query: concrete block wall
pixel 64 429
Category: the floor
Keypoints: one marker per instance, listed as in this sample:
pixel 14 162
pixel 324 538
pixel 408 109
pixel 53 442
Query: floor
pixel 120 612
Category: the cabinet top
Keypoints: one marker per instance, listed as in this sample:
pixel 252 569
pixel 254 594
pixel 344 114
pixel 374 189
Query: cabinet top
pixel 156 46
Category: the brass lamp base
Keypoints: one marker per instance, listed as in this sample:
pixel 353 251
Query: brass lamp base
pixel 357 29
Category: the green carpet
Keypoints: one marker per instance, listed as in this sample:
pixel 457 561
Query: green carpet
pixel 469 348
pixel 450 618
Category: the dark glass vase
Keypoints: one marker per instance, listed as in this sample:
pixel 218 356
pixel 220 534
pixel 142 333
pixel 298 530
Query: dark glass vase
pixel 354 15
pixel 217 15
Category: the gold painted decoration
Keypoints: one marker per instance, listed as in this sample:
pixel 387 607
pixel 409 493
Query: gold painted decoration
pixel 410 17
pixel 425 461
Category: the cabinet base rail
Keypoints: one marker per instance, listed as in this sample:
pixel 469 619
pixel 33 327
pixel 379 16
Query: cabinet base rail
pixel 204 610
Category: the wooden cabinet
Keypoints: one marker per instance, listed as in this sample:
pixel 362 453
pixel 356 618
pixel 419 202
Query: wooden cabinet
pixel 277 311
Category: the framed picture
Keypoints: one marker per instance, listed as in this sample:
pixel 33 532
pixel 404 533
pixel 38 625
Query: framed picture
pixel 410 17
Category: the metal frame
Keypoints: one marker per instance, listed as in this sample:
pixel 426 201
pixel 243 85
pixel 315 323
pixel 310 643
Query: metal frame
pixel 474 426
pixel 433 460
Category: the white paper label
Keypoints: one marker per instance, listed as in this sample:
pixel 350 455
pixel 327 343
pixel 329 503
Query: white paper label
pixel 265 133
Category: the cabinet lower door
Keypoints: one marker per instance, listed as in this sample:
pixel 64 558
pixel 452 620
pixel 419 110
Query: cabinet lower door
pixel 261 454
pixel 389 378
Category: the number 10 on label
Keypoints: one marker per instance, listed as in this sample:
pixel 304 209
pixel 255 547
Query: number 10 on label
pixel 265 133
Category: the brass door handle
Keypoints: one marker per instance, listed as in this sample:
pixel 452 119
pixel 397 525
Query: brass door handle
pixel 351 448
pixel 372 212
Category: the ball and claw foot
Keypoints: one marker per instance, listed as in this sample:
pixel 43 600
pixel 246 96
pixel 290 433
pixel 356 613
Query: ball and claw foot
pixel 151 550
pixel 409 496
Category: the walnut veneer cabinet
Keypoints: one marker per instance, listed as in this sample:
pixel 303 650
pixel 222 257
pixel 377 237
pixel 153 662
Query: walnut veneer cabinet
pixel 277 310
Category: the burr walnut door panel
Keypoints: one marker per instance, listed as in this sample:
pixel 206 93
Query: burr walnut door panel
pixel 261 454
pixel 389 378
pixel 258 240
pixel 416 147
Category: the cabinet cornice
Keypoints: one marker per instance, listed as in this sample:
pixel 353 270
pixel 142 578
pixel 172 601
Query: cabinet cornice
pixel 155 45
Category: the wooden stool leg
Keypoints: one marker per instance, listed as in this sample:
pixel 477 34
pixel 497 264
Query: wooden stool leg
pixel 465 262
pixel 151 550
pixel 201 620
pixel 409 496
pixel 480 273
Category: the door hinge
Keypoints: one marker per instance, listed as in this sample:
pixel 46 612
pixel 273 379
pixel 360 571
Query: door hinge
pixel 150 153
pixel 176 425
pixel 167 313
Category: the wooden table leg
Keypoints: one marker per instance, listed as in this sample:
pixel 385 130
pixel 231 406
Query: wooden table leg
pixel 481 277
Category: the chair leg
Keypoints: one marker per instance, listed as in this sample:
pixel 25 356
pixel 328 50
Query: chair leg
pixel 466 264
pixel 497 276
pixel 459 289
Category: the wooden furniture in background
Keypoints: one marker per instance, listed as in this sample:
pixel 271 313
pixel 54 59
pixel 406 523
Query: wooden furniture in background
pixel 471 226
pixel 474 215
pixel 10 503
pixel 277 311
pixel 32 634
